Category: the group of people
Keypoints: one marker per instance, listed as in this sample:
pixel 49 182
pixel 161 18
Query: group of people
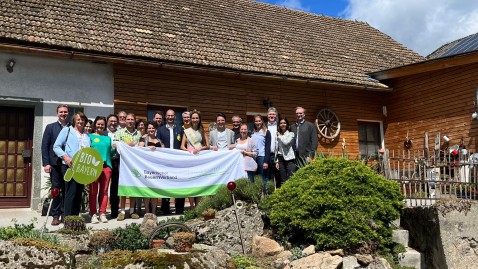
pixel 271 149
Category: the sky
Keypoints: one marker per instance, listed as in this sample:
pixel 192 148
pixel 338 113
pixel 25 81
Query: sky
pixel 421 25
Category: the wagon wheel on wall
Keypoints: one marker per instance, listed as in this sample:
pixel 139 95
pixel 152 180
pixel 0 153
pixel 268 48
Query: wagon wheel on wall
pixel 328 124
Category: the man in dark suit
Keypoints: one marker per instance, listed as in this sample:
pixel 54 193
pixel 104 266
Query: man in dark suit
pixel 305 132
pixel 51 163
pixel 171 135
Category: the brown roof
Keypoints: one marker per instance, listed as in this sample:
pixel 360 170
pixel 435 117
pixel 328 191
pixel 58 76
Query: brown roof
pixel 233 34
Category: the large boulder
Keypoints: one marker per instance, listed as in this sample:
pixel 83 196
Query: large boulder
pixel 223 232
pixel 79 243
pixel 13 255
pixel 265 247
pixel 321 260
pixel 206 256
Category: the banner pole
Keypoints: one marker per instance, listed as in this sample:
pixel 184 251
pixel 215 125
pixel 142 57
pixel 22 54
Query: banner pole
pixel 231 186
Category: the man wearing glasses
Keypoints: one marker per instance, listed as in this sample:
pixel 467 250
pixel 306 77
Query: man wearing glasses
pixel 306 141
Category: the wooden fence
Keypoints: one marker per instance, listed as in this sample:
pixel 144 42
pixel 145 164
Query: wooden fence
pixel 428 176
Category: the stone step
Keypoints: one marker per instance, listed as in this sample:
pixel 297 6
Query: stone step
pixel 400 236
pixel 396 223
pixel 412 258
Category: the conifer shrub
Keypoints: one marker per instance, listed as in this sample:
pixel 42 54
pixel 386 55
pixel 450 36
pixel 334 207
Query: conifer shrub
pixel 129 238
pixel 335 203
pixel 245 191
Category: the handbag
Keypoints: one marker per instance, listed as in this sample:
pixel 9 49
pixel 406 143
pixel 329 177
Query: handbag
pixel 250 164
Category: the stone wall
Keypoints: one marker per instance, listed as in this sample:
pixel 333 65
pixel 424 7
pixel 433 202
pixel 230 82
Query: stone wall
pixel 445 232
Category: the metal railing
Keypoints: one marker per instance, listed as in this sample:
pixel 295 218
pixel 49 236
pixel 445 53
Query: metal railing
pixel 426 177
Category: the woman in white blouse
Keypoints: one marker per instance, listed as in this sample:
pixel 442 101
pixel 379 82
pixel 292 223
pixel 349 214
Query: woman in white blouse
pixel 284 153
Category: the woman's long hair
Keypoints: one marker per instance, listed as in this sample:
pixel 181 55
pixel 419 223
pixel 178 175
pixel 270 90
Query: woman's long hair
pixel 264 128
pixel 200 127
pixel 287 127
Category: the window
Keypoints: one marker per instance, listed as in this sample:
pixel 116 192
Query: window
pixel 72 111
pixel 369 138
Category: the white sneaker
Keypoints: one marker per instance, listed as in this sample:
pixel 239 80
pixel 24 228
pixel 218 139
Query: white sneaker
pixel 103 218
pixel 94 219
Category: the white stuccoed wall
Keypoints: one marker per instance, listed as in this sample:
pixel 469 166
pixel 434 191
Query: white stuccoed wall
pixel 44 83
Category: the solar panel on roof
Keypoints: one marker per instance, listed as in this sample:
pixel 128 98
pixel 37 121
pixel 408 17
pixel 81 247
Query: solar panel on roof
pixel 466 45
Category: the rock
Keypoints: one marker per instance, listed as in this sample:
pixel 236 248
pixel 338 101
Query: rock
pixel 265 247
pixel 281 263
pixel 134 266
pixel 364 260
pixel 309 250
pixel 208 257
pixel 284 254
pixel 350 262
pixel 340 252
pixel 79 243
pixel 18 256
pixel 82 260
pixel 223 232
pixel 321 260
pixel 379 263
pixel 150 222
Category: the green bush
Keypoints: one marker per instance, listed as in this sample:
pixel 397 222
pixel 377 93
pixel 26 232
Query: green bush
pixel 335 203
pixel 129 238
pixel 245 191
pixel 244 262
pixel 25 231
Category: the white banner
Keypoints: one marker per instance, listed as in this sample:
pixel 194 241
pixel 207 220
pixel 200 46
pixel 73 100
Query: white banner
pixel 175 173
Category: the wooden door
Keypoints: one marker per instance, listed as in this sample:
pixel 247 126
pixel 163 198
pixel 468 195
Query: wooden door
pixel 16 134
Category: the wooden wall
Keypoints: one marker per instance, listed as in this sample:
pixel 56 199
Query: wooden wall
pixel 440 101
pixel 235 93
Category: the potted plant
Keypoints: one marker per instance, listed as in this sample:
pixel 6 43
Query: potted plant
pixel 183 241
pixel 157 243
pixel 209 214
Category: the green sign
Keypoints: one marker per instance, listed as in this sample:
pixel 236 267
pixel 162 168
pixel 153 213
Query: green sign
pixel 86 166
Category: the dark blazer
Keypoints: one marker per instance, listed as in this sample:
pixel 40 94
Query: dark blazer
pixel 163 135
pixel 308 140
pixel 52 130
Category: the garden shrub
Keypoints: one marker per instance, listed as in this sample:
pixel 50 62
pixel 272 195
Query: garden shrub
pixel 26 231
pixel 335 203
pixel 150 258
pixel 244 262
pixel 245 191
pixel 129 238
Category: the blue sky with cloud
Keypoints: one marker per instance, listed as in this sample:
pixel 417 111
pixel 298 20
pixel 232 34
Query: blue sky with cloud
pixel 421 25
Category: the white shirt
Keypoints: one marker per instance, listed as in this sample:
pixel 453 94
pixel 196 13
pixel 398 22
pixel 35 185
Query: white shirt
pixel 171 135
pixel 221 139
pixel 272 127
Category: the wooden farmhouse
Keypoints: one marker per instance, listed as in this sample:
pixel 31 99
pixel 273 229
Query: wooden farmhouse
pixel 437 96
pixel 230 56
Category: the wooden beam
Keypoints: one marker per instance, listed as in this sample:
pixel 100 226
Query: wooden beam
pixel 426 66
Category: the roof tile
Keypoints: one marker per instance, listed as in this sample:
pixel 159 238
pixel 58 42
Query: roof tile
pixel 237 34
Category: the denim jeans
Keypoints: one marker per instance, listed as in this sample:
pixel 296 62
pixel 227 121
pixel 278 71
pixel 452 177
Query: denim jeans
pixel 250 175
pixel 262 172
